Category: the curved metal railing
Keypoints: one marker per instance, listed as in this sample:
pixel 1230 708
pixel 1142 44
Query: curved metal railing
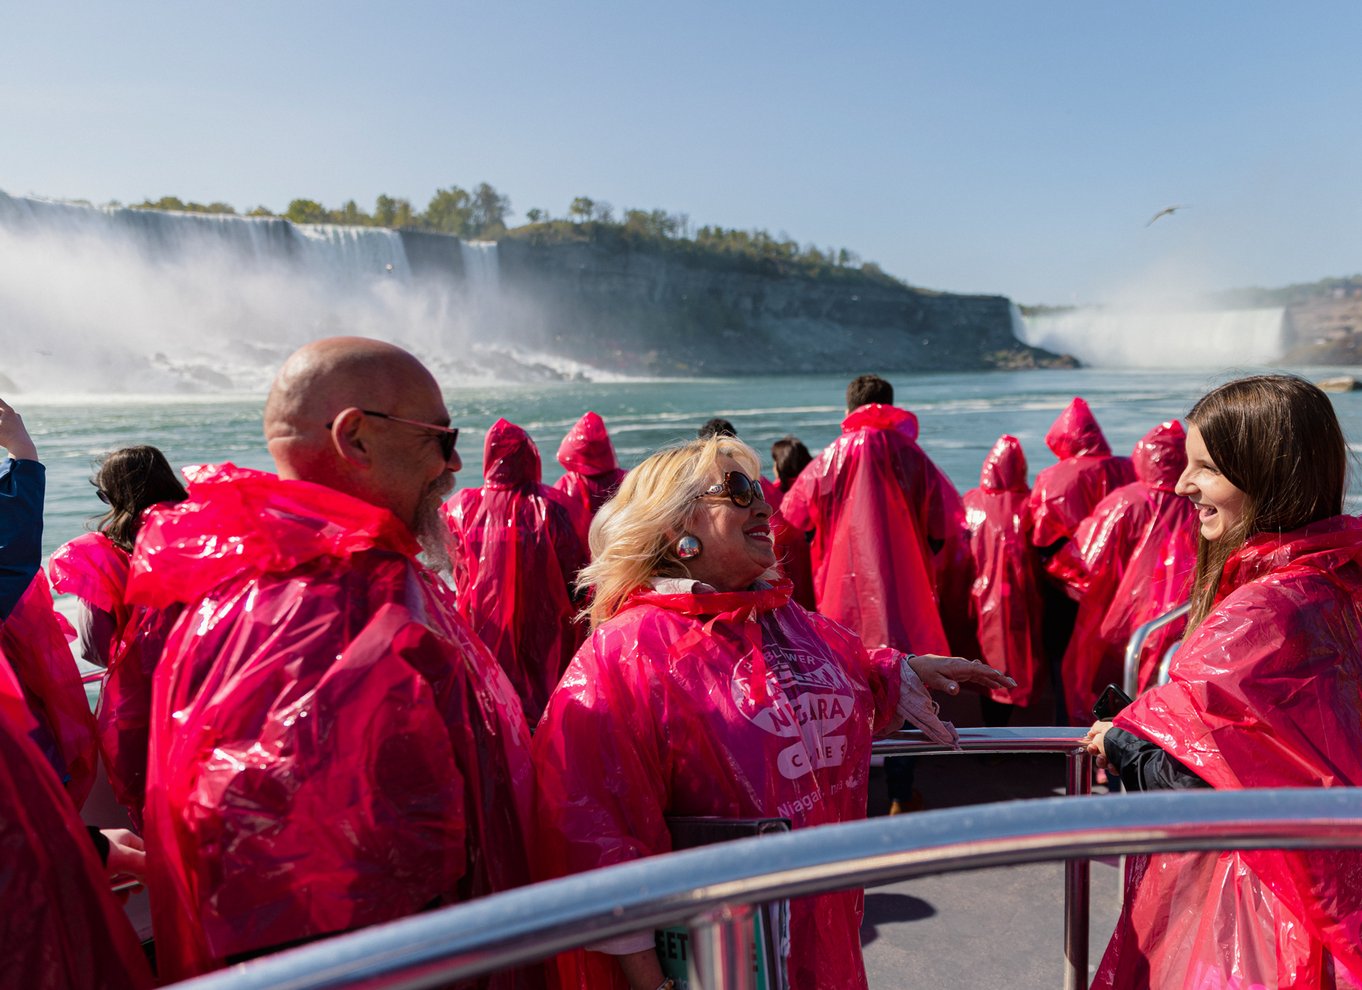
pixel 1135 646
pixel 711 888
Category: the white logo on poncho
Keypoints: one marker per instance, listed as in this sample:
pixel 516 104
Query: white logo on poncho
pixel 805 699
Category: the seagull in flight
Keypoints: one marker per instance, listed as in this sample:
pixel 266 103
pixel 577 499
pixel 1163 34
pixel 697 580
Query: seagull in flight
pixel 1167 211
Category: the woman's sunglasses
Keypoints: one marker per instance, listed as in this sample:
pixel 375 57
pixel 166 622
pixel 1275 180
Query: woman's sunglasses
pixel 447 435
pixel 738 487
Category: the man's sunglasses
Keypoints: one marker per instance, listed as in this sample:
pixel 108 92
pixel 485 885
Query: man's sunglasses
pixel 447 435
pixel 738 487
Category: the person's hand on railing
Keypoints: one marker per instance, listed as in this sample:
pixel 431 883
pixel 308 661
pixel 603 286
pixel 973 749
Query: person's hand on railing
pixel 947 673
pixel 1095 742
pixel 127 854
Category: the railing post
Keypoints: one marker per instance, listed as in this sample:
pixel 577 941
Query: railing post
pixel 1078 763
pixel 722 949
pixel 1134 646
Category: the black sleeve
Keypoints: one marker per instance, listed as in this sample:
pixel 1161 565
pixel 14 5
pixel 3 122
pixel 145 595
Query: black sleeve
pixel 101 843
pixel 1143 766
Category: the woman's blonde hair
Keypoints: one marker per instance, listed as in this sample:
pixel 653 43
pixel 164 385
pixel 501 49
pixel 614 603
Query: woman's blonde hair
pixel 633 537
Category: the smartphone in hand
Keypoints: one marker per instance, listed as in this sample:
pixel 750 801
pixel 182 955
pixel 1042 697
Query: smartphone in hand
pixel 1112 700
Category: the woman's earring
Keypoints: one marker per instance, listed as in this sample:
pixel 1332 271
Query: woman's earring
pixel 688 547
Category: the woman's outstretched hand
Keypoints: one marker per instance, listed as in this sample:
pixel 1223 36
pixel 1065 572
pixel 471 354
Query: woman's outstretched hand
pixel 946 674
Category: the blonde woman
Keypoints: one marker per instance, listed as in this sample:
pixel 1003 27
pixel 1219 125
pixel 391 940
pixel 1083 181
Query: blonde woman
pixel 704 690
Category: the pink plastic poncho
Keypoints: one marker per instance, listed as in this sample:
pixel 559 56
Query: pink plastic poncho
pixel 1264 693
pixel 330 747
pixel 1120 566
pixel 95 570
pixel 733 704
pixel 1066 493
pixel 92 568
pixel 1005 596
pixel 36 647
pixel 60 927
pixel 873 500
pixel 793 553
pixel 593 473
pixel 124 712
pixel 516 555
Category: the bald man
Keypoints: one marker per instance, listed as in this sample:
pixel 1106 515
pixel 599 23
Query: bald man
pixel 331 746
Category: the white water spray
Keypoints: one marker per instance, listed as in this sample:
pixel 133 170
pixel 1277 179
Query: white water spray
pixel 140 301
pixel 1184 338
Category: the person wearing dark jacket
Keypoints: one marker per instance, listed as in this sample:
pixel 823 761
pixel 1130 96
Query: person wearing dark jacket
pixel 23 484
pixel 1262 693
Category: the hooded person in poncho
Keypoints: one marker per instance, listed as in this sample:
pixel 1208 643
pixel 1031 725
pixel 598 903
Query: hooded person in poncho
pixel 1263 692
pixel 1005 595
pixel 1129 562
pixel 331 747
pixel 1063 495
pixel 592 473
pixel 516 553
pixel 879 514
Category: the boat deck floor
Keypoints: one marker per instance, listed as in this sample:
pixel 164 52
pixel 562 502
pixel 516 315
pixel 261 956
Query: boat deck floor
pixel 996 927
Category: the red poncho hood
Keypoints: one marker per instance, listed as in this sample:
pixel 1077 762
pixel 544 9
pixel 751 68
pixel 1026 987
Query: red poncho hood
pixel 509 457
pixel 1004 468
pixel 238 520
pixel 877 416
pixel 587 448
pixel 1076 433
pixel 1160 456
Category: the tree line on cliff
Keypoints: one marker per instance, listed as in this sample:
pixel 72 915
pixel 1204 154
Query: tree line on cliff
pixel 483 213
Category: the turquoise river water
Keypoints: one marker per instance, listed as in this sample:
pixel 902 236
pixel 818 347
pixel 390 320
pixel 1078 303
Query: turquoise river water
pixel 960 415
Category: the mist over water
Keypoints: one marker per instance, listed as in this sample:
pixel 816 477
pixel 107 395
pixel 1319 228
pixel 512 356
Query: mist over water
pixel 1159 338
pixel 108 301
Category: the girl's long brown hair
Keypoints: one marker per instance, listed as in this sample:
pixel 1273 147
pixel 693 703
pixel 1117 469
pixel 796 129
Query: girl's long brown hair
pixel 133 478
pixel 1275 438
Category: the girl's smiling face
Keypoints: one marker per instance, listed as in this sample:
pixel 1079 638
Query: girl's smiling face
pixel 1220 505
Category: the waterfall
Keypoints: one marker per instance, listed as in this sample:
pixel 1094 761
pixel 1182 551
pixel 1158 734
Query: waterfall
pixel 1105 338
pixel 481 269
pixel 111 299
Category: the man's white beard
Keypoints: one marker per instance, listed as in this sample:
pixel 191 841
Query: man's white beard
pixel 431 531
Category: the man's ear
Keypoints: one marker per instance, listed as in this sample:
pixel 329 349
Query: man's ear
pixel 348 439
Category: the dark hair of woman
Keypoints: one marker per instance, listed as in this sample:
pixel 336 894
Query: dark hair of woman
pixel 1276 438
pixel 791 457
pixel 129 480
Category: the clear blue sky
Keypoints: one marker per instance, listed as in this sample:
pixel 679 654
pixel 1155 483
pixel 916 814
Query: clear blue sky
pixel 1010 147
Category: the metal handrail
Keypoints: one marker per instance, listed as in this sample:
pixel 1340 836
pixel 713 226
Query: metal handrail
pixel 1135 645
pixel 1021 739
pixel 700 886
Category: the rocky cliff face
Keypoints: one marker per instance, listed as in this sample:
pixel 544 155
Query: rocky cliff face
pixel 664 312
